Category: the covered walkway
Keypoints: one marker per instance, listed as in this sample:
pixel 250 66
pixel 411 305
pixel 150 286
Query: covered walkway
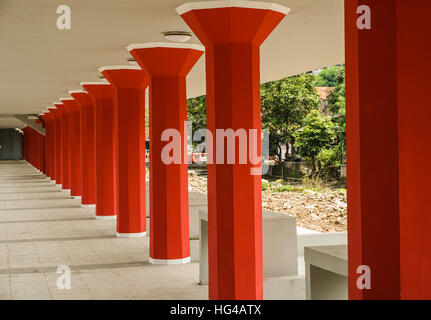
pixel 42 227
pixel 92 143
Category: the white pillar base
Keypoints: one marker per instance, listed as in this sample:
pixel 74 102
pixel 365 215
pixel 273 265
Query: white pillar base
pixel 88 205
pixel 77 198
pixel 114 217
pixel 131 235
pixel 170 261
pixel 58 184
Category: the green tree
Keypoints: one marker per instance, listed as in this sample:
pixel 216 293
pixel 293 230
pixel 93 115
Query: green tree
pixel 316 134
pixel 330 77
pixel 197 113
pixel 285 103
pixel 337 107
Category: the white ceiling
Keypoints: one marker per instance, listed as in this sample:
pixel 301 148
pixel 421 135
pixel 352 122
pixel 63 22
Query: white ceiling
pixel 39 63
pixel 10 122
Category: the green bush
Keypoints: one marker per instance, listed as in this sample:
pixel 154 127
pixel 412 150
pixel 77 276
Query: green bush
pixel 316 134
pixel 327 159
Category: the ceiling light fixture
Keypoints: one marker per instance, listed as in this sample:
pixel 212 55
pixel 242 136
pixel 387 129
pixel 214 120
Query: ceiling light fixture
pixel 177 36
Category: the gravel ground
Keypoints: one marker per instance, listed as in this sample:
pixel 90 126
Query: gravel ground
pixel 320 211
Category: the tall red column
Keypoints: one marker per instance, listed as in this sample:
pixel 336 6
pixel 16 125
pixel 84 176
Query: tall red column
pixel 129 83
pixel 88 145
pixel 106 156
pixel 32 147
pixel 25 143
pixel 49 144
pixel 42 153
pixel 232 35
pixel 29 144
pixel 47 120
pixel 36 149
pixel 414 114
pixel 65 145
pixel 37 141
pixel 167 66
pixel 58 152
pixel 388 118
pixel 51 151
pixel 371 123
pixel 40 149
pixel 74 146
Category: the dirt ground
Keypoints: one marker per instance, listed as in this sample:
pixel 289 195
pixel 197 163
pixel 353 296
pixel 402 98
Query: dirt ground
pixel 324 211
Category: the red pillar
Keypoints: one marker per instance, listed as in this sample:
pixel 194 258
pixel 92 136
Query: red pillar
pixel 28 143
pixel 25 142
pixel 51 151
pixel 74 146
pixel 88 152
pixel 58 149
pixel 36 146
pixel 232 36
pixel 106 157
pixel 36 149
pixel 40 149
pixel 46 119
pixel 31 146
pixel 129 83
pixel 42 154
pixel 371 123
pixel 65 145
pixel 167 66
pixel 414 114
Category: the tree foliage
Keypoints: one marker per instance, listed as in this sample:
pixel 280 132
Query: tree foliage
pixel 285 103
pixel 330 77
pixel 290 111
pixel 197 113
pixel 332 154
pixel 337 107
pixel 317 133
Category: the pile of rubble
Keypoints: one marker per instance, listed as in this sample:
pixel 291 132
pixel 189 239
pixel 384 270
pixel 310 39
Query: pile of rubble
pixel 324 211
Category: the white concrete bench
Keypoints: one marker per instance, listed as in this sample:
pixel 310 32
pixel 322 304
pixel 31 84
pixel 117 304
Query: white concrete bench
pixel 311 238
pixel 326 272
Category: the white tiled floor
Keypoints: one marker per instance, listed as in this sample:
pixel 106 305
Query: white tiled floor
pixel 42 227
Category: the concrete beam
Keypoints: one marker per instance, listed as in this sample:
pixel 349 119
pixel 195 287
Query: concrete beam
pixel 31 123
